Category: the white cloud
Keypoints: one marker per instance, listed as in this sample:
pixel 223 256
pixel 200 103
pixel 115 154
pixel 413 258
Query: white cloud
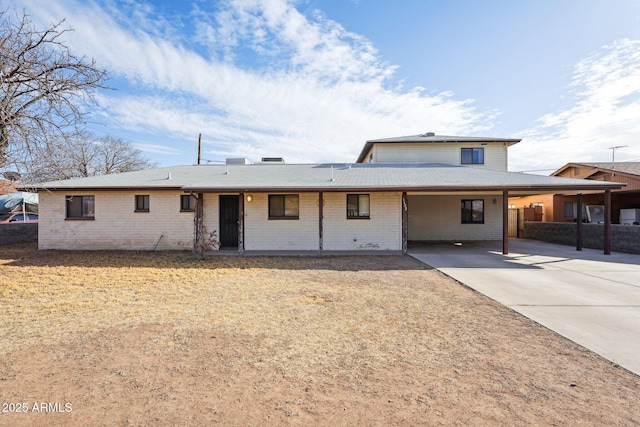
pixel 272 81
pixel 605 113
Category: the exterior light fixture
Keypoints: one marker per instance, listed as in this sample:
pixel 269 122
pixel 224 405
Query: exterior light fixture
pixel 249 198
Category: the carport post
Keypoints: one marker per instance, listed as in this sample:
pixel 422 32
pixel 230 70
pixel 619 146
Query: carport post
pixel 320 221
pixel 607 222
pixel 505 222
pixel 405 223
pixel 241 224
pixel 579 223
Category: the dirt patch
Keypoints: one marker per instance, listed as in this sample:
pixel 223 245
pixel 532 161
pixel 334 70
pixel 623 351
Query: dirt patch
pixel 112 338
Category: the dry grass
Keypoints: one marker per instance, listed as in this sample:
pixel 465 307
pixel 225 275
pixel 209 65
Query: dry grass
pixel 337 321
pixel 361 311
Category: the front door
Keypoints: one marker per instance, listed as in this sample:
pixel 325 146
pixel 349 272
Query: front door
pixel 229 217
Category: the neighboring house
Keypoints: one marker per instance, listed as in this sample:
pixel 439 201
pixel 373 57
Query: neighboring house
pixel 561 207
pixel 422 188
pixel 7 186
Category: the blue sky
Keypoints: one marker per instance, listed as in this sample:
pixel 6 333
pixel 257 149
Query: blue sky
pixel 312 80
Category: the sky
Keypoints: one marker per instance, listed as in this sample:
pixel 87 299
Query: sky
pixel 312 80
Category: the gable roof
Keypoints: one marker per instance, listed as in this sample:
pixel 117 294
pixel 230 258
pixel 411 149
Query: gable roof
pixel 326 177
pixel 432 138
pixel 631 168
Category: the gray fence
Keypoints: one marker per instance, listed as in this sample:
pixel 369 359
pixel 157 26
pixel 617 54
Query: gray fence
pixel 18 233
pixel 624 238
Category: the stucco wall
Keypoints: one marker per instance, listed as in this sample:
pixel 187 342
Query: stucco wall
pixel 439 218
pixel 624 238
pixel 116 224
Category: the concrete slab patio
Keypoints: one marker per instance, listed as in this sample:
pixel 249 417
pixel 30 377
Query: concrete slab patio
pixel 588 297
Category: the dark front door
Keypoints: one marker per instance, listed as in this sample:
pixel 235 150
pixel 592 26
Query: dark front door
pixel 229 217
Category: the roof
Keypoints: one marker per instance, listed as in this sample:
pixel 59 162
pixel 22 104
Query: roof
pixel 326 177
pixel 432 138
pixel 7 186
pixel 631 168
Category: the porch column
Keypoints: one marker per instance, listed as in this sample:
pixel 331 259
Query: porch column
pixel 405 222
pixel 320 221
pixel 579 223
pixel 241 224
pixel 198 232
pixel 607 222
pixel 505 222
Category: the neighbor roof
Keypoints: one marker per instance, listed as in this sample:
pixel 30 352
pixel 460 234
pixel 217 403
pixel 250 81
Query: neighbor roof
pixel 432 138
pixel 326 177
pixel 631 168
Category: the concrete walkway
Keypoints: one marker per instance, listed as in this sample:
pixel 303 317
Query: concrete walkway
pixel 590 298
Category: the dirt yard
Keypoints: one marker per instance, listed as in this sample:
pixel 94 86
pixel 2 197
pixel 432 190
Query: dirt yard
pixel 119 338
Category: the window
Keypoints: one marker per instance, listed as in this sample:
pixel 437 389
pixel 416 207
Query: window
pixel 571 210
pixel 80 207
pixel 187 203
pixel 358 206
pixel 284 206
pixel 472 156
pixel 142 203
pixel 473 211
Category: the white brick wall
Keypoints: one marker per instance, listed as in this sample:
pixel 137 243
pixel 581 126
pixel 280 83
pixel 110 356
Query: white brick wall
pixel 433 218
pixel 116 225
pixel 262 233
pixel 382 231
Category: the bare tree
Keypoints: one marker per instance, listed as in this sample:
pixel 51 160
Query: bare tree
pixel 84 155
pixel 43 85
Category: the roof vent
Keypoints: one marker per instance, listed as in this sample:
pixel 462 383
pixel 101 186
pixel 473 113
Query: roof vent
pixel 272 160
pixel 429 134
pixel 237 161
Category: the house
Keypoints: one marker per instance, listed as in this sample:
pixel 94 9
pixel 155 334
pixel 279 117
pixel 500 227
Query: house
pixel 418 188
pixel 561 207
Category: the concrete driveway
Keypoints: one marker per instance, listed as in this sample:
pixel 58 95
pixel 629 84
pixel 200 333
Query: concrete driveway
pixel 590 298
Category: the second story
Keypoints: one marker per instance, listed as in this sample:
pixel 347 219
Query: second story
pixel 488 153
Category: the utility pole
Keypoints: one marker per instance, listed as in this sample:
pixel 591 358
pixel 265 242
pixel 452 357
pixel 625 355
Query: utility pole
pixel 199 146
pixel 613 154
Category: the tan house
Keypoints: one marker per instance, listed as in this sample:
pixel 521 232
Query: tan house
pixel 417 188
pixel 561 207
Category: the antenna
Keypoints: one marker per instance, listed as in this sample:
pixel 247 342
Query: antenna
pixel 613 154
